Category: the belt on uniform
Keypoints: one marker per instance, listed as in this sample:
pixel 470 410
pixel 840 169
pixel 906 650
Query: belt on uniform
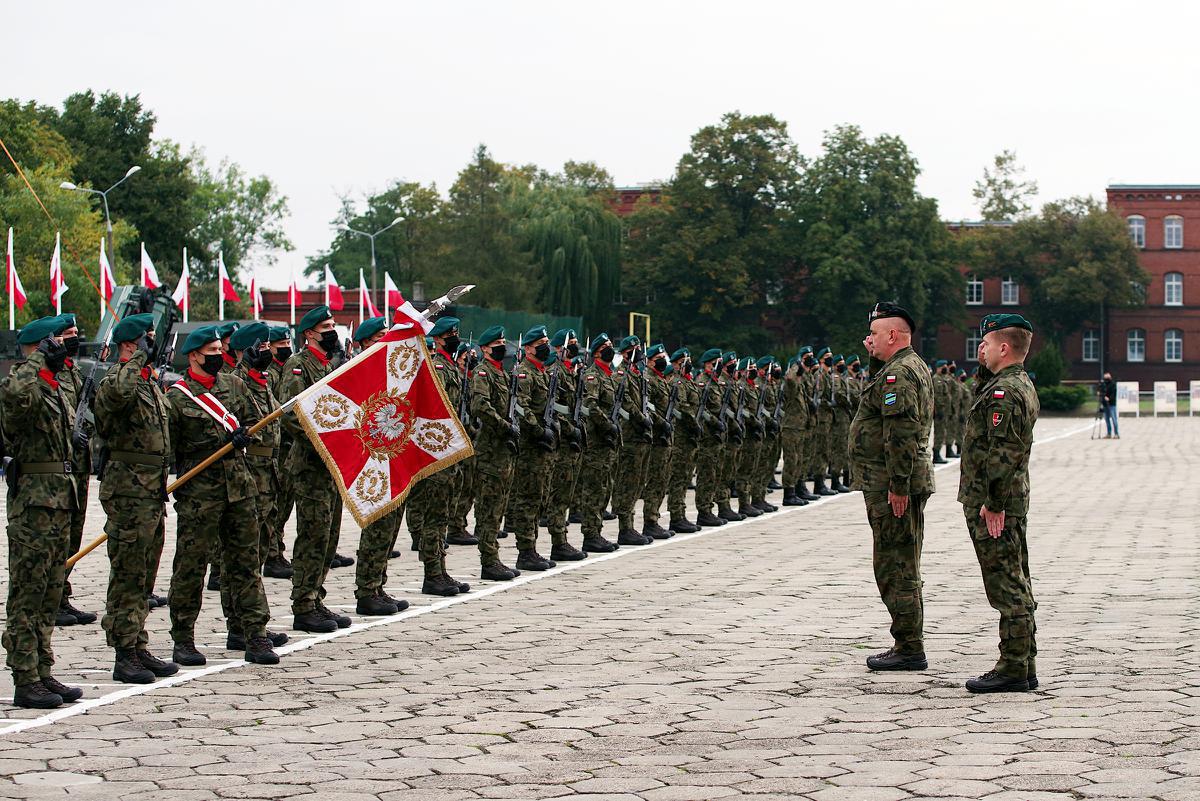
pixel 261 450
pixel 133 457
pixel 31 468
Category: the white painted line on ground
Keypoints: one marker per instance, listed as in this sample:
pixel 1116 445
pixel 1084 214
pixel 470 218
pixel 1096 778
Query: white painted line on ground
pixel 300 644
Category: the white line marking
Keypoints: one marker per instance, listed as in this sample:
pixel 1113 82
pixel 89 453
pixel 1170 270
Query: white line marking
pixel 298 644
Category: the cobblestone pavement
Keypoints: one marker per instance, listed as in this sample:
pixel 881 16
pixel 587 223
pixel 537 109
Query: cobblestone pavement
pixel 722 665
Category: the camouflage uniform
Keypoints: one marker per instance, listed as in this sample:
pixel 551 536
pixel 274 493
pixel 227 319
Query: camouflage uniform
pixel 796 402
pixel 375 545
pixel 37 421
pixel 743 479
pixel 284 500
pixel 217 506
pixel 263 457
pixel 531 482
pixel 683 452
pixel 710 451
pixel 995 474
pixel 964 409
pixel 568 460
pixel 822 433
pixel 494 454
pixel 844 408
pixel 71 381
pixel 133 418
pixel 768 453
pixel 600 456
pixel 890 442
pixel 658 465
pixel 942 410
pixel 731 453
pixel 634 457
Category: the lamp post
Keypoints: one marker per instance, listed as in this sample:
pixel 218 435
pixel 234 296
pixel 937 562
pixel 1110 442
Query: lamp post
pixel 70 187
pixel 374 273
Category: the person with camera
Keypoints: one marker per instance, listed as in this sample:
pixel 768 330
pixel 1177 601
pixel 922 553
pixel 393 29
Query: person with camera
pixel 1107 390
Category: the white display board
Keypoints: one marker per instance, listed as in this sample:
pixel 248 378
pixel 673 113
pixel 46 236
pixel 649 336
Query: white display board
pixel 1164 398
pixel 1194 394
pixel 1127 397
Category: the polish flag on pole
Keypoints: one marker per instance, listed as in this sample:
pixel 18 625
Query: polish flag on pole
pixel 391 294
pixel 149 274
pixel 333 292
pixel 294 298
pixel 108 284
pixel 406 315
pixel 256 299
pixel 58 284
pixel 16 292
pixel 227 290
pixel 181 295
pixel 365 307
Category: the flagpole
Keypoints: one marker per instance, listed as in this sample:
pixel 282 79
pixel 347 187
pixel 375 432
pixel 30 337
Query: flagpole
pixel 58 289
pixel 187 289
pixel 326 284
pixel 292 294
pixel 360 296
pixel 142 267
pixel 12 268
pixel 220 285
pixel 254 293
pixel 103 279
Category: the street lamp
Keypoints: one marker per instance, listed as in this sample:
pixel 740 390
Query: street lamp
pixel 70 187
pixel 374 276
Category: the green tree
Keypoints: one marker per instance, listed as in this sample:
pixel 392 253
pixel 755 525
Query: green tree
pixel 240 215
pixel 1003 193
pixel 868 235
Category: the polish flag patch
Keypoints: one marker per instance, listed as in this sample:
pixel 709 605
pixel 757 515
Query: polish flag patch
pixel 999 393
pixel 891 379
pixel 297 371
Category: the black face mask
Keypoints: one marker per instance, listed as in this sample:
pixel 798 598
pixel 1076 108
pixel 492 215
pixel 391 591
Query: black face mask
pixel 841 368
pixel 687 366
pixel 451 344
pixel 660 363
pixel 731 369
pixel 606 353
pixel 776 372
pixel 541 352
pixel 72 346
pixel 330 343
pixel 283 354
pixel 259 360
pixel 573 349
pixel 497 352
pixel 212 363
pixel 809 361
pixel 827 362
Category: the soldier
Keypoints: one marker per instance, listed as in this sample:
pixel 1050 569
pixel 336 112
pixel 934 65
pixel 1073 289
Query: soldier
pixel 133 420
pixel 635 442
pixel 795 422
pixel 994 492
pixel 843 413
pixel 602 385
pixel 941 409
pixel 710 418
pixel 687 439
pixel 226 332
pixel 37 422
pixel 750 433
pixel 569 457
pixel 809 370
pixel 767 456
pixel 208 408
pixel 854 384
pixel 495 450
pixel 431 495
pixel 964 408
pixel 823 397
pixel 658 463
pixel 463 498
pixel 318 504
pixel 277 565
pixel 890 464
pixel 71 380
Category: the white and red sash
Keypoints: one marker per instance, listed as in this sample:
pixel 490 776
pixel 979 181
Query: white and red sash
pixel 211 406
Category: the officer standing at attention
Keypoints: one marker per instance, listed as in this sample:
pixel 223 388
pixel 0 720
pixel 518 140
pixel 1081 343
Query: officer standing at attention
pixel 941 409
pixel 658 465
pixel 890 464
pixel 712 386
pixel 37 421
pixel 994 492
pixel 687 438
pixel 569 457
pixel 603 443
pixel 133 419
pixel 635 444
pixel 538 447
pixel 277 565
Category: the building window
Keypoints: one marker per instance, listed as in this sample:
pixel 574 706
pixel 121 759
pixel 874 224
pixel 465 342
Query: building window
pixel 974 291
pixel 973 340
pixel 1137 230
pixel 1173 285
pixel 1173 345
pixel 1135 345
pixel 1010 292
pixel 1173 232
pixel 1091 345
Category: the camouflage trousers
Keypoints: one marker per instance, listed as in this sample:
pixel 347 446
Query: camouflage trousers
pixel 135 529
pixel 683 466
pixel 234 527
pixel 708 473
pixel 897 561
pixel 767 462
pixel 794 467
pixel 284 502
pixel 658 477
pixel 727 469
pixel 38 539
pixel 375 545
pixel 529 493
pixel 463 496
pixel 78 518
pixel 431 499
pixel 594 486
pixel 939 432
pixel 743 476
pixel 564 481
pixel 318 527
pixel 819 446
pixel 1004 562
pixel 494 467
pixel 266 479
pixel 630 482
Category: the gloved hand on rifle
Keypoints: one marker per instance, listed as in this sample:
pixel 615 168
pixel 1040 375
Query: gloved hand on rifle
pixel 80 439
pixel 55 353
pixel 240 438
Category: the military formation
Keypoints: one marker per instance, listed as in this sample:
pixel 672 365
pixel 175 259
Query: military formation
pixel 565 431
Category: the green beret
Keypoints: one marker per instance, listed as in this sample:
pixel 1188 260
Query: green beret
pixel 792 362
pixel 729 356
pixel 313 318
pixel 996 322
pixel 628 342
pixel 852 358
pixel 227 329
pixel 680 353
pixel 939 364
pixel 68 319
pixel 199 338
pixel 838 358
pixel 800 353
pixel 41 328
pixel 561 336
pixel 712 354
pixel 492 334
pixel 598 341
pixel 369 328
pixel 131 328
pixel 961 372
pixel 765 361
pixel 442 326
pixel 247 335
pixel 823 352
pixel 534 334
pixel 744 363
pixel 429 342
pixel 655 350
pixel 279 333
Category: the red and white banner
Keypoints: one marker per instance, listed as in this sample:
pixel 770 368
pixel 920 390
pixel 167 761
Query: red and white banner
pixel 58 284
pixel 149 274
pixel 108 284
pixel 256 299
pixel 182 293
pixel 406 314
pixel 228 292
pixel 16 292
pixel 333 292
pixel 392 297
pixel 382 422
pixel 365 307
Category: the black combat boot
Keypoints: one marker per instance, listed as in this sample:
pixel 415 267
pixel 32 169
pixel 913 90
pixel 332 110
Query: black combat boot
pixel 574 519
pixel 598 544
pixel 35 696
pixel 773 485
pixel 277 567
pixel 803 492
pixel 747 509
pixel 790 498
pixel 439 585
pixel 681 525
pixel 342 621
pixel 341 561
pixel 185 653
pixel 495 571
pixel 236 642
pixel 835 482
pixel 566 552
pixel 260 652
pixel 530 559
pixel 891 659
pixel 312 621
pixel 69 694
pixel 158 667
pixel 629 536
pixel 461 538
pixel 727 514
pixel 155 601
pixel 707 519
pixel 609 514
pixel 374 606
pixel 64 618
pixel 762 505
pixel 128 669
pixel 655 532
pixel 81 617
pixel 820 489
pixel 399 603
pixel 937 456
pixel 846 481
pixel 463 587
pixel 995 682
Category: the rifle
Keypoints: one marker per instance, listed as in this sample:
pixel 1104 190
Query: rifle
pixel 83 409
pixel 166 354
pixel 579 442
pixel 724 409
pixel 614 417
pixel 549 440
pixel 737 415
pixel 642 382
pixel 778 413
pixel 464 401
pixel 703 399
pixel 514 425
pixel 758 413
pixel 664 434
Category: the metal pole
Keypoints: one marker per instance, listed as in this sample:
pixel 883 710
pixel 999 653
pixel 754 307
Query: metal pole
pixel 374 275
pixel 108 225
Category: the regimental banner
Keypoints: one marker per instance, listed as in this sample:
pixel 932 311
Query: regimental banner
pixel 1164 398
pixel 382 422
pixel 1127 397
pixel 1194 397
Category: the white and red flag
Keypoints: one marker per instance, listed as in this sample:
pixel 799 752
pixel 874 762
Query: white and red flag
pixel 108 284
pixel 16 292
pixel 58 284
pixel 392 297
pixel 182 293
pixel 365 307
pixel 149 274
pixel 406 314
pixel 382 422
pixel 294 298
pixel 333 292
pixel 256 299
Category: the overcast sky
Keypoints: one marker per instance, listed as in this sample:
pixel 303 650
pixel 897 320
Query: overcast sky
pixel 334 98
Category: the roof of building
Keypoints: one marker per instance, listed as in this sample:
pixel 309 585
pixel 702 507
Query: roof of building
pixel 1143 187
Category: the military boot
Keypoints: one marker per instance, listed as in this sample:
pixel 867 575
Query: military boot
pixel 574 519
pixel 937 456
pixel 35 696
pixel 727 514
pixel 64 618
pixel 158 667
pixel 846 481
pixel 69 694
pixel 260 652
pixel 439 584
pixel 566 552
pixel 463 587
pixel 746 508
pixel 773 485
pixel 185 653
pixel 393 554
pixel 802 491
pixel 277 567
pixel 598 544
pixel 790 498
pixel 236 642
pixel 342 621
pixel 374 606
pixel 891 659
pixel 128 669
pixel 820 489
pixel 608 514
pixel 629 536
pixel 461 538
pixel 341 561
pixel 496 571
pixel 708 520
pixel 681 525
pixel 655 532
pixel 995 682
pixel 312 621
pixel 835 482
pixel 530 559
pixel 81 617
pixel 399 603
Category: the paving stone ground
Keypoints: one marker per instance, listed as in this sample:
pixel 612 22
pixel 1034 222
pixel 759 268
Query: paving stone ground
pixel 727 665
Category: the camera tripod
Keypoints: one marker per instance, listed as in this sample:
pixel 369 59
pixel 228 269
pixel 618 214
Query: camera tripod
pixel 1096 424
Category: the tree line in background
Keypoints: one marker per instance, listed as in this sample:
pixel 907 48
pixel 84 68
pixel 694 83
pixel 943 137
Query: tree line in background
pixel 750 244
